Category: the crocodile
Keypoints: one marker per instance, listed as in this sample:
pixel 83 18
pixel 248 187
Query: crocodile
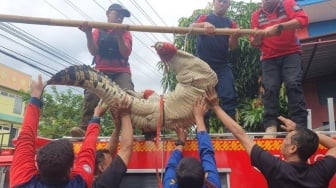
pixel 171 109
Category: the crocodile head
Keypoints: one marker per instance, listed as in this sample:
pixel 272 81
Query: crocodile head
pixel 165 50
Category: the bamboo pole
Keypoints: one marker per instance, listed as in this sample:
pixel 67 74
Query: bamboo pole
pixel 103 25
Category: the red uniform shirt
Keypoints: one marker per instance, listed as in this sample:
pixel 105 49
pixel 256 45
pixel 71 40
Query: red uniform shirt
pixel 108 65
pixel 23 167
pixel 287 42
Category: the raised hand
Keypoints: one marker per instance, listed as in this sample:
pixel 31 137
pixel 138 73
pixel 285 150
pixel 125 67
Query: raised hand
pixel 257 37
pixel 236 34
pixel 181 134
pixel 124 106
pixel 209 28
pixel 272 31
pixel 289 125
pixel 118 33
pixel 212 97
pixel 86 28
pixel 36 87
pixel 100 110
pixel 200 107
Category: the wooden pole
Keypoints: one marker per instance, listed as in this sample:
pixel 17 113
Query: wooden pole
pixel 103 25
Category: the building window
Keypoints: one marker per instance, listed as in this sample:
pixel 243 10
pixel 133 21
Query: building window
pixel 4 128
pixel 4 93
pixel 17 105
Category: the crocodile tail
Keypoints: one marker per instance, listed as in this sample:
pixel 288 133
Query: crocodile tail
pixel 144 112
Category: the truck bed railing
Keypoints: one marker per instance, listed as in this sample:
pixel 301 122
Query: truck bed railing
pixel 255 135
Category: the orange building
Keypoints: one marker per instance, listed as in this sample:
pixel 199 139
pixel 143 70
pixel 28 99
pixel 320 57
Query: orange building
pixel 11 103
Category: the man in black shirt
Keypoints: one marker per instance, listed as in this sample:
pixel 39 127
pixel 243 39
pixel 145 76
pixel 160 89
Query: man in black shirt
pixel 297 147
pixel 111 167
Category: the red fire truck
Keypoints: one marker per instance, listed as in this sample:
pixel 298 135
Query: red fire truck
pixel 149 159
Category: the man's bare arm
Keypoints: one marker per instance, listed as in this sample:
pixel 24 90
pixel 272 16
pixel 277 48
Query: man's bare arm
pixel 114 140
pixel 126 139
pixel 92 47
pixel 329 143
pixel 232 125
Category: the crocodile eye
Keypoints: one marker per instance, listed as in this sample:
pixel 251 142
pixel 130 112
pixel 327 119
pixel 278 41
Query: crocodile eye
pixel 158 45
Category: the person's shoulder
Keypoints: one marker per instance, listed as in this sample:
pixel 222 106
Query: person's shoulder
pixel 292 5
pixel 256 12
pixel 330 158
pixel 95 31
pixel 201 18
pixel 288 2
pixel 127 33
pixel 257 150
pixel 231 21
pixel 204 15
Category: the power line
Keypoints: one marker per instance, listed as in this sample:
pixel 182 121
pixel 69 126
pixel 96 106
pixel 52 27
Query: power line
pixel 135 17
pixel 50 47
pixel 44 72
pixel 150 6
pixel 150 67
pixel 25 46
pixel 41 64
pixel 98 4
pixel 78 10
pixel 56 9
pixel 26 62
pixel 30 40
pixel 146 15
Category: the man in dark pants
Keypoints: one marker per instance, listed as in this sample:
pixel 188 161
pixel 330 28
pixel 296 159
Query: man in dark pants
pixel 111 49
pixel 214 50
pixel 281 59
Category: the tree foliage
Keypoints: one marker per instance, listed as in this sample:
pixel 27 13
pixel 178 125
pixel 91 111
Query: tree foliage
pixel 61 111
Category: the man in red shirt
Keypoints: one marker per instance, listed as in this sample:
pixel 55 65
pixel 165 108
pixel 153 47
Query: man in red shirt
pixel 281 58
pixel 56 163
pixel 111 49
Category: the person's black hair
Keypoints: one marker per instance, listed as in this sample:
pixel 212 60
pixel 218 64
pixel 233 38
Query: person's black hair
pixel 190 173
pixel 100 158
pixel 307 142
pixel 55 161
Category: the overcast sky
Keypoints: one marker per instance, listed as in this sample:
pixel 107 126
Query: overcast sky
pixel 73 42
